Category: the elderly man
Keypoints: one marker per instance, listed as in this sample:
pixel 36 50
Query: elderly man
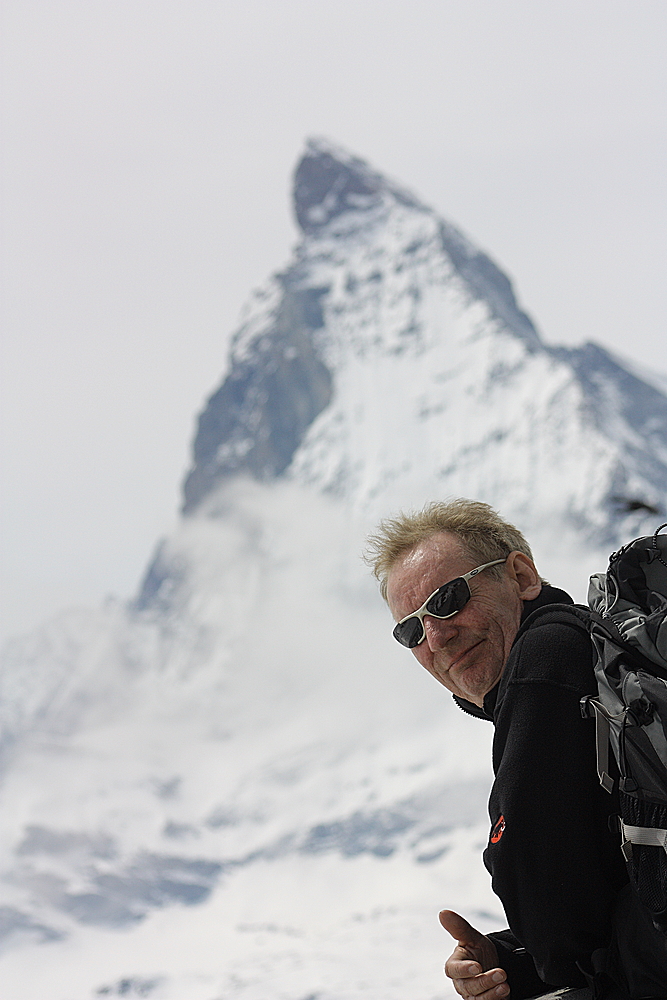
pixel 462 586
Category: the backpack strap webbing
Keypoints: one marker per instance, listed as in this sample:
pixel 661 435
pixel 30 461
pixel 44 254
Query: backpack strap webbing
pixel 645 836
pixel 602 718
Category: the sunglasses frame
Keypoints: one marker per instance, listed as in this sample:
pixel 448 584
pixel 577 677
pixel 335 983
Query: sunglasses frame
pixel 421 612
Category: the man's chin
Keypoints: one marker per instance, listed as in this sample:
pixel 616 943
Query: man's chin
pixel 475 697
pixel 473 680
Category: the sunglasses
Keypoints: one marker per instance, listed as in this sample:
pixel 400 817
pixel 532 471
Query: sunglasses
pixel 444 602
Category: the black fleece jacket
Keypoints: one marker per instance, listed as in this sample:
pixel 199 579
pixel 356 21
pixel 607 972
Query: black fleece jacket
pixel 553 859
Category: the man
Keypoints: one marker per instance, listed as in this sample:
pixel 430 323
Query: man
pixel 461 585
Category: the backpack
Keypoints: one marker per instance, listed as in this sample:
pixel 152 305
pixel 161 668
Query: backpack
pixel 628 627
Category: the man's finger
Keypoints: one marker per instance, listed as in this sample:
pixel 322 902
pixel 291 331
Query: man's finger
pixel 487 986
pixel 459 928
pixel 462 969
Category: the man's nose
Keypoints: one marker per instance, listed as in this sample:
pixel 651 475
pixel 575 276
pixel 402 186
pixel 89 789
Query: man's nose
pixel 439 631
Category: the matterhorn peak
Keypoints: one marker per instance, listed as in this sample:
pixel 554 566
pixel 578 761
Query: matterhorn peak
pixel 377 274
pixel 384 300
pixel 329 181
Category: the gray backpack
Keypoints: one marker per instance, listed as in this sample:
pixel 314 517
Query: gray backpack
pixel 628 626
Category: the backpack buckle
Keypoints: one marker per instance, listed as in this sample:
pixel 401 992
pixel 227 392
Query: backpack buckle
pixel 585 707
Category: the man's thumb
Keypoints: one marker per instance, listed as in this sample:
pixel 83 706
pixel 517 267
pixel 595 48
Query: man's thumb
pixel 458 927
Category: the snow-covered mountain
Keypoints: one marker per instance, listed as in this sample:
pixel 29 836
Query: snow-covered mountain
pixel 385 300
pixel 237 785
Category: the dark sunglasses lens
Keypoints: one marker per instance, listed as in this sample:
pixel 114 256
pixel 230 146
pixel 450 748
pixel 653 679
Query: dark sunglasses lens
pixel 449 599
pixel 409 633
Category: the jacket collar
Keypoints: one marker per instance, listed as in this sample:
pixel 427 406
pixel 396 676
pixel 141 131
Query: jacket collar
pixel 548 595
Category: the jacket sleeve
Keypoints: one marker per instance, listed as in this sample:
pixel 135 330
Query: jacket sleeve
pixel 518 964
pixel 554 862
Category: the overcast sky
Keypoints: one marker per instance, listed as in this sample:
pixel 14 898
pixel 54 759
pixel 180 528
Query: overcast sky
pixel 148 152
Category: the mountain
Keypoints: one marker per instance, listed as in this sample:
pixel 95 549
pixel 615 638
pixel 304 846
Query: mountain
pixel 237 784
pixel 383 297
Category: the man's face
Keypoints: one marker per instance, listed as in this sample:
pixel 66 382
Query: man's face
pixel 468 651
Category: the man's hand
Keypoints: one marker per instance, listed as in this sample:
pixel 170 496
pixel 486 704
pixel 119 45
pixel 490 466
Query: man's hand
pixel 473 965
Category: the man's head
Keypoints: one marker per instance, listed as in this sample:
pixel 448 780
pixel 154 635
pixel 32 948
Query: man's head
pixel 414 555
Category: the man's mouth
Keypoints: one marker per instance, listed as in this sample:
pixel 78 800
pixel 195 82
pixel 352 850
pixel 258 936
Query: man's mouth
pixel 459 660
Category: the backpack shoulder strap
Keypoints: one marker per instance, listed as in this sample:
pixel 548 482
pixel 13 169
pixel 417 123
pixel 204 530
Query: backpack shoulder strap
pixel 575 615
pixel 602 635
pixel 585 620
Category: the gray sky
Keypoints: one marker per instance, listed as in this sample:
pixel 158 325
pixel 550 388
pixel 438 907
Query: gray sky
pixel 148 152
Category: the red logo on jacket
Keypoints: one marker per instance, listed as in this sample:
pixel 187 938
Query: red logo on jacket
pixel 498 830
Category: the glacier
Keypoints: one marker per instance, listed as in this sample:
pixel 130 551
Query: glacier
pixel 236 785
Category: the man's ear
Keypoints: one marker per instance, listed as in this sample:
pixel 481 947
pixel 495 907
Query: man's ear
pixel 523 573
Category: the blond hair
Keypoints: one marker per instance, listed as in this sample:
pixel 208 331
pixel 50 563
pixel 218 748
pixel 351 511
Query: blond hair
pixel 481 531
